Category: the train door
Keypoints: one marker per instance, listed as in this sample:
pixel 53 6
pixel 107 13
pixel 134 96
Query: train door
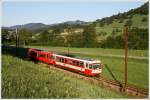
pixel 87 70
pixel 81 64
pixel 46 59
pixel 51 59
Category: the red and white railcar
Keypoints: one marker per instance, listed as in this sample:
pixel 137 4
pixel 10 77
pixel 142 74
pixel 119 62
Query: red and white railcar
pixel 86 66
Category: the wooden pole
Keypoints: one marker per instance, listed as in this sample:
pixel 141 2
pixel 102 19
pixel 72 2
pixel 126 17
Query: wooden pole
pixel 126 57
pixel 68 49
pixel 16 42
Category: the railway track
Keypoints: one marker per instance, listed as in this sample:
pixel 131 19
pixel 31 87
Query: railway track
pixel 105 83
pixel 129 89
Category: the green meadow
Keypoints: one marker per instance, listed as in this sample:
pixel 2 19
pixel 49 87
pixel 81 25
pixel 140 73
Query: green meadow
pixel 25 79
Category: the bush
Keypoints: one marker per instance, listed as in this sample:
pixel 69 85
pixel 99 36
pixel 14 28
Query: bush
pixel 144 19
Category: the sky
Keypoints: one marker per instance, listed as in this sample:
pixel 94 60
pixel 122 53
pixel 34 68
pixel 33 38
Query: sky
pixel 18 13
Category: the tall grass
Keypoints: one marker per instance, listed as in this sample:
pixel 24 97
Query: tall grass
pixel 24 79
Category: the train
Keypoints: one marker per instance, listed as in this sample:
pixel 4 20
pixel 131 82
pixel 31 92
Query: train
pixel 86 66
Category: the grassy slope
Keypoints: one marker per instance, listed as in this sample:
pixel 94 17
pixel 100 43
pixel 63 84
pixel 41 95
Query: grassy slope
pixel 24 79
pixel 137 69
pixel 136 22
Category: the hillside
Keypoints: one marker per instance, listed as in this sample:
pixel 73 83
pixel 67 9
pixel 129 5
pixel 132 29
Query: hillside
pixel 137 17
pixel 24 79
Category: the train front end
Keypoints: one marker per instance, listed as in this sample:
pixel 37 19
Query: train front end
pixel 96 68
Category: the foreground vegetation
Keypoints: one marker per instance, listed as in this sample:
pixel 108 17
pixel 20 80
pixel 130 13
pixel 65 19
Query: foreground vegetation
pixel 24 79
pixel 114 58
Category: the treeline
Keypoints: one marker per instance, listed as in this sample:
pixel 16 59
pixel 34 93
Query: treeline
pixel 137 39
pixel 87 38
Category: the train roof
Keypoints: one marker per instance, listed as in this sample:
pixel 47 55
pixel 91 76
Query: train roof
pixel 74 56
pixel 35 49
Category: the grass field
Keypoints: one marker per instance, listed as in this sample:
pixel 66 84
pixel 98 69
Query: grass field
pixel 24 79
pixel 97 51
pixel 137 68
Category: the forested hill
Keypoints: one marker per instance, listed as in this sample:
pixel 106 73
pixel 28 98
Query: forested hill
pixel 121 17
pixel 110 29
pixel 106 32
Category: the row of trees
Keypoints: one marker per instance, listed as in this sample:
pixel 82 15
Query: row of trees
pixel 87 38
pixel 9 36
pixel 138 38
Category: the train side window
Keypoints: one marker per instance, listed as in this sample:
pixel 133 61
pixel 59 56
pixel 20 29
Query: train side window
pixel 74 62
pixel 52 57
pixel 46 56
pixel 81 64
pixel 65 60
pixel 33 53
pixel 58 59
pixel 90 66
pixel 62 59
pixel 43 55
pixel 70 62
pixel 86 65
pixel 77 63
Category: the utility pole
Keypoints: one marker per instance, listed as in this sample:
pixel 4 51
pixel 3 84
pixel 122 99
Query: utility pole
pixel 16 41
pixel 126 57
pixel 68 48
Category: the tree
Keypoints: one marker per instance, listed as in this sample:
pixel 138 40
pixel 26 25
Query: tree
pixel 113 32
pixel 70 36
pixel 56 32
pixel 128 23
pixel 121 20
pixel 25 36
pixel 44 37
pixel 59 41
pixel 4 35
pixel 4 32
pixel 138 38
pixel 144 19
pixel 89 37
pixel 101 24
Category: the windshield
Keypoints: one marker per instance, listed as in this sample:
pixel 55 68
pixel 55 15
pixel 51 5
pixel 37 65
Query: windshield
pixel 95 66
